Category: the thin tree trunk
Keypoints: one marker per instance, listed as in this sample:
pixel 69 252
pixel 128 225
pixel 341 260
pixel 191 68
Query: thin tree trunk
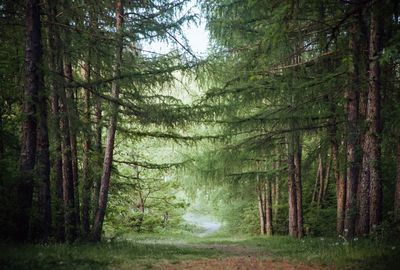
pixel 268 208
pixel 141 201
pixel 261 210
pixel 397 189
pixel 68 184
pixel 292 190
pixel 108 156
pixel 320 178
pixel 86 179
pixel 372 136
pixel 321 187
pixel 55 66
pixel 299 196
pixel 98 147
pixel 74 151
pixel 277 165
pixel 32 87
pixel 352 97
pixel 99 152
pixel 43 164
pixel 326 182
pixel 317 178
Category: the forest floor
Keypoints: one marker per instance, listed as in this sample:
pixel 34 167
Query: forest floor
pixel 217 250
pixel 235 257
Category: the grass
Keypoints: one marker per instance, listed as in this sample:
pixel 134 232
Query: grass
pixel 146 250
pixel 95 256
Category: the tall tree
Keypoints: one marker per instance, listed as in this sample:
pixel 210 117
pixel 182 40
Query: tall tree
pixel 86 179
pixel 108 156
pixel 55 85
pixel 352 102
pixel 373 134
pixel 43 164
pixel 33 86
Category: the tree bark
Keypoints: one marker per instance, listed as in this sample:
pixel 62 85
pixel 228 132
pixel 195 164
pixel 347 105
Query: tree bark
pixel 317 178
pixel 32 87
pixel 68 181
pixel 326 181
pixel 373 134
pixel 277 165
pixel 99 152
pixel 261 210
pixel 292 190
pixel 352 102
pixel 86 179
pixel 268 208
pixel 141 201
pixel 299 196
pixel 108 156
pixel 72 112
pixel 338 177
pixel 55 66
pixel 397 189
pixel 43 169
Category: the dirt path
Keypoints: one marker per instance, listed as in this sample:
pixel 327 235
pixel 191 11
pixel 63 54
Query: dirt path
pixel 236 263
pixel 238 258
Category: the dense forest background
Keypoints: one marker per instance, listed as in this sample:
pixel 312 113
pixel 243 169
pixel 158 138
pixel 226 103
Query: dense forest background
pixel 289 126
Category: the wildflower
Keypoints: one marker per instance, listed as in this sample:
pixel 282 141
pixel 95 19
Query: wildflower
pixel 393 248
pixel 355 239
pixel 346 230
pixel 108 240
pixel 337 243
pixel 302 241
pixel 322 239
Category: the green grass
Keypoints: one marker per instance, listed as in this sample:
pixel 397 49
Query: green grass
pixel 95 256
pixel 146 250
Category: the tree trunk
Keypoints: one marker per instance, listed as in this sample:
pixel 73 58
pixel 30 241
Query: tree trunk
pixel 292 190
pixel 321 183
pixel 32 87
pixel 299 196
pixel 108 156
pixel 55 67
pixel 261 210
pixel 318 181
pixel 372 136
pixel 277 165
pixel 74 151
pixel 317 178
pixel 397 189
pixel 268 208
pixel 68 183
pixel 352 98
pixel 86 179
pixel 341 202
pixel 141 203
pixel 43 169
pixel 326 181
pixel 99 152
